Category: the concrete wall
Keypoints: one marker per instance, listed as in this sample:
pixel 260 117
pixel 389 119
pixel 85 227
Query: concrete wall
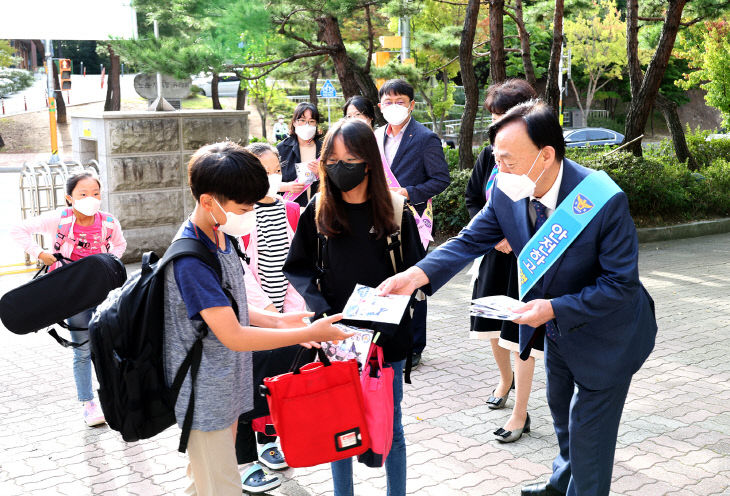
pixel 143 160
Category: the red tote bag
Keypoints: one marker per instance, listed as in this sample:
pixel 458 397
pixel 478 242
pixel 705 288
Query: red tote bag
pixel 318 412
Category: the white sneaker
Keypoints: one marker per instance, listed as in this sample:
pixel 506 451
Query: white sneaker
pixel 93 414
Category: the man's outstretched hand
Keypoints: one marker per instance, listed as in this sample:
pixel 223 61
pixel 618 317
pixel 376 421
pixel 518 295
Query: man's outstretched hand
pixel 404 283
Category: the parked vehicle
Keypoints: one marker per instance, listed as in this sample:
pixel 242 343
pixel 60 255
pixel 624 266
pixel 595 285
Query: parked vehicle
pixel 591 136
pixel 228 84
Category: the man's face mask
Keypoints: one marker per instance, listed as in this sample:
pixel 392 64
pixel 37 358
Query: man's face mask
pixel 518 186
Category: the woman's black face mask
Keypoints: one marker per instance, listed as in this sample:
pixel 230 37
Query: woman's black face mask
pixel 346 175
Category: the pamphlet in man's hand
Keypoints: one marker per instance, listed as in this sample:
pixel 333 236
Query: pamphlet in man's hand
pixel 495 307
pixel 366 304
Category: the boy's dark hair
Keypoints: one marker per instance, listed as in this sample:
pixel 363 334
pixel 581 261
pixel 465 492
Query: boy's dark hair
pixel 542 125
pixel 299 112
pixel 362 104
pixel 503 96
pixel 396 87
pixel 227 171
pixel 74 180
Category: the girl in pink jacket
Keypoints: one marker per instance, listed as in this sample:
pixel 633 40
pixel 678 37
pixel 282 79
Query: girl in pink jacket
pixel 77 231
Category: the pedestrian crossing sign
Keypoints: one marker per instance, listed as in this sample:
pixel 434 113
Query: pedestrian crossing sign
pixel 327 90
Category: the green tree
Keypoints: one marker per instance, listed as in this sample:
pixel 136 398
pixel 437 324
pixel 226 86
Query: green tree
pixel 7 54
pixel 597 38
pixel 711 61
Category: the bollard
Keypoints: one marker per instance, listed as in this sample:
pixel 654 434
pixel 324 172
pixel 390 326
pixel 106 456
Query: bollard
pixel 68 98
pixel 25 103
pixel 3 106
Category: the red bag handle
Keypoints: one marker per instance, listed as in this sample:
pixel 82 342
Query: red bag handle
pixel 297 369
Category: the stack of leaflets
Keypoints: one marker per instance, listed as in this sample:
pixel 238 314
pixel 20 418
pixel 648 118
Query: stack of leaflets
pixel 355 347
pixel 495 307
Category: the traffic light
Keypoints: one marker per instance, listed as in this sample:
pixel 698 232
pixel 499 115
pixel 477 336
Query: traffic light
pixel 64 66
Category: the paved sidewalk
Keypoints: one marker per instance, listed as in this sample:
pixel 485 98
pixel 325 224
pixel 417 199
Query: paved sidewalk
pixel 674 438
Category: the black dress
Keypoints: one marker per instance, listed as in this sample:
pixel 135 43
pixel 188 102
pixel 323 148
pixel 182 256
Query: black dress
pixel 289 155
pixel 498 271
pixel 356 257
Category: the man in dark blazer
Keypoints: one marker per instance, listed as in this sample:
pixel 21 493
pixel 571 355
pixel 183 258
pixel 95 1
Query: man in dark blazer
pixel 416 157
pixel 596 317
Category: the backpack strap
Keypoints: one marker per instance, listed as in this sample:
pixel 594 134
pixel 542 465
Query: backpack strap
pixel 107 229
pixel 293 212
pixel 64 227
pixel 394 239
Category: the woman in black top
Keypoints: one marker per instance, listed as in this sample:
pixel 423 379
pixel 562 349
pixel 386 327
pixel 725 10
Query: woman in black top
pixel 353 215
pixel 303 145
pixel 498 276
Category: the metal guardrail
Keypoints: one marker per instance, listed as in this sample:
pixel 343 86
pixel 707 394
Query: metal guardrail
pixel 43 188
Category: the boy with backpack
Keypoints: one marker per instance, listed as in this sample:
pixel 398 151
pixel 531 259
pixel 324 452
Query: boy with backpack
pixel 225 180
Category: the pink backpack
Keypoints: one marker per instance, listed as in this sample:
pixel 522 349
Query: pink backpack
pixel 67 220
pixel 377 393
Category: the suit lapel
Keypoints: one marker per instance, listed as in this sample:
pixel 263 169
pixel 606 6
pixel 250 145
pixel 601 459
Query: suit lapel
pixel 569 182
pixel 522 224
pixel 405 141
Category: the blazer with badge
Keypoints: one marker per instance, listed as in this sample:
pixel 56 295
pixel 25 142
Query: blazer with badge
pixel 419 164
pixel 605 318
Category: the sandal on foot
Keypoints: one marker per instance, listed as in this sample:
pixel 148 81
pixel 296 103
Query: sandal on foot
pixel 255 480
pixel 271 456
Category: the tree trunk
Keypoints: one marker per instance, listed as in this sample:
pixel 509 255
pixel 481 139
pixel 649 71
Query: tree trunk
pixel 497 71
pixel 643 100
pixel 669 110
pixel 58 95
pixel 241 94
pixel 552 90
pixel 113 100
pixel 525 46
pixel 313 96
pixel 329 33
pixel 214 92
pixel 471 90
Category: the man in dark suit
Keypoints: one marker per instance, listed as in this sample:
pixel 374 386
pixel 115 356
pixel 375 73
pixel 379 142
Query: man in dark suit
pixel 596 317
pixel 416 157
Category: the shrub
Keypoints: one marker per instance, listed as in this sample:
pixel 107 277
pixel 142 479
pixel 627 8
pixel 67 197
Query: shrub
pixel 706 151
pixel 449 207
pixel 14 80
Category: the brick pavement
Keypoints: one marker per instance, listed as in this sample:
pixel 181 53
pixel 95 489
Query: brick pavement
pixel 674 438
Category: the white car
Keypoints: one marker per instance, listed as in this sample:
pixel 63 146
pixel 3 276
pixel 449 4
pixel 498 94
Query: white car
pixel 228 84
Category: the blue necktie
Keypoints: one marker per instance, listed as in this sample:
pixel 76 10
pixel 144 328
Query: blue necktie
pixel 541 211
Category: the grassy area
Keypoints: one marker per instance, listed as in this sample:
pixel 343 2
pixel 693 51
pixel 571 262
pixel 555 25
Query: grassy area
pixel 200 102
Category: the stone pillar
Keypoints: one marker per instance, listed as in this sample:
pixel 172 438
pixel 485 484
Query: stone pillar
pixel 143 160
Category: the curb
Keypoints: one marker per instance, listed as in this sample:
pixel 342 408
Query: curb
pixel 681 231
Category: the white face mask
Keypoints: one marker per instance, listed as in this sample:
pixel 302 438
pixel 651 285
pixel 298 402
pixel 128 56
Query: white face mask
pixel 395 114
pixel 237 224
pixel 87 206
pixel 274 183
pixel 517 187
pixel 305 132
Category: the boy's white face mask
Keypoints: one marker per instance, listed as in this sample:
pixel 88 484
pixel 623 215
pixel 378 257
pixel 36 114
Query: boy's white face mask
pixel 236 224
pixel 518 186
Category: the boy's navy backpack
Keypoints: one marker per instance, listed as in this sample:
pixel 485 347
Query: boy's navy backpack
pixel 126 334
pixel 71 288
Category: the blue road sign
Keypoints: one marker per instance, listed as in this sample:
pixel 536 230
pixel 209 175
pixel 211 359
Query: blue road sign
pixel 327 90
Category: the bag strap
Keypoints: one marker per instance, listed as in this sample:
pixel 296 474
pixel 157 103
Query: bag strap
pixel 394 239
pixel 293 212
pixel 296 363
pixel 192 363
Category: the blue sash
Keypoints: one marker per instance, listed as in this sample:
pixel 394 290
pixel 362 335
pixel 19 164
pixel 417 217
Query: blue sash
pixel 573 214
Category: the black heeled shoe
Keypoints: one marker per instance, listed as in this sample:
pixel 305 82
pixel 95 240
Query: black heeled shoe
pixel 499 402
pixel 504 436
